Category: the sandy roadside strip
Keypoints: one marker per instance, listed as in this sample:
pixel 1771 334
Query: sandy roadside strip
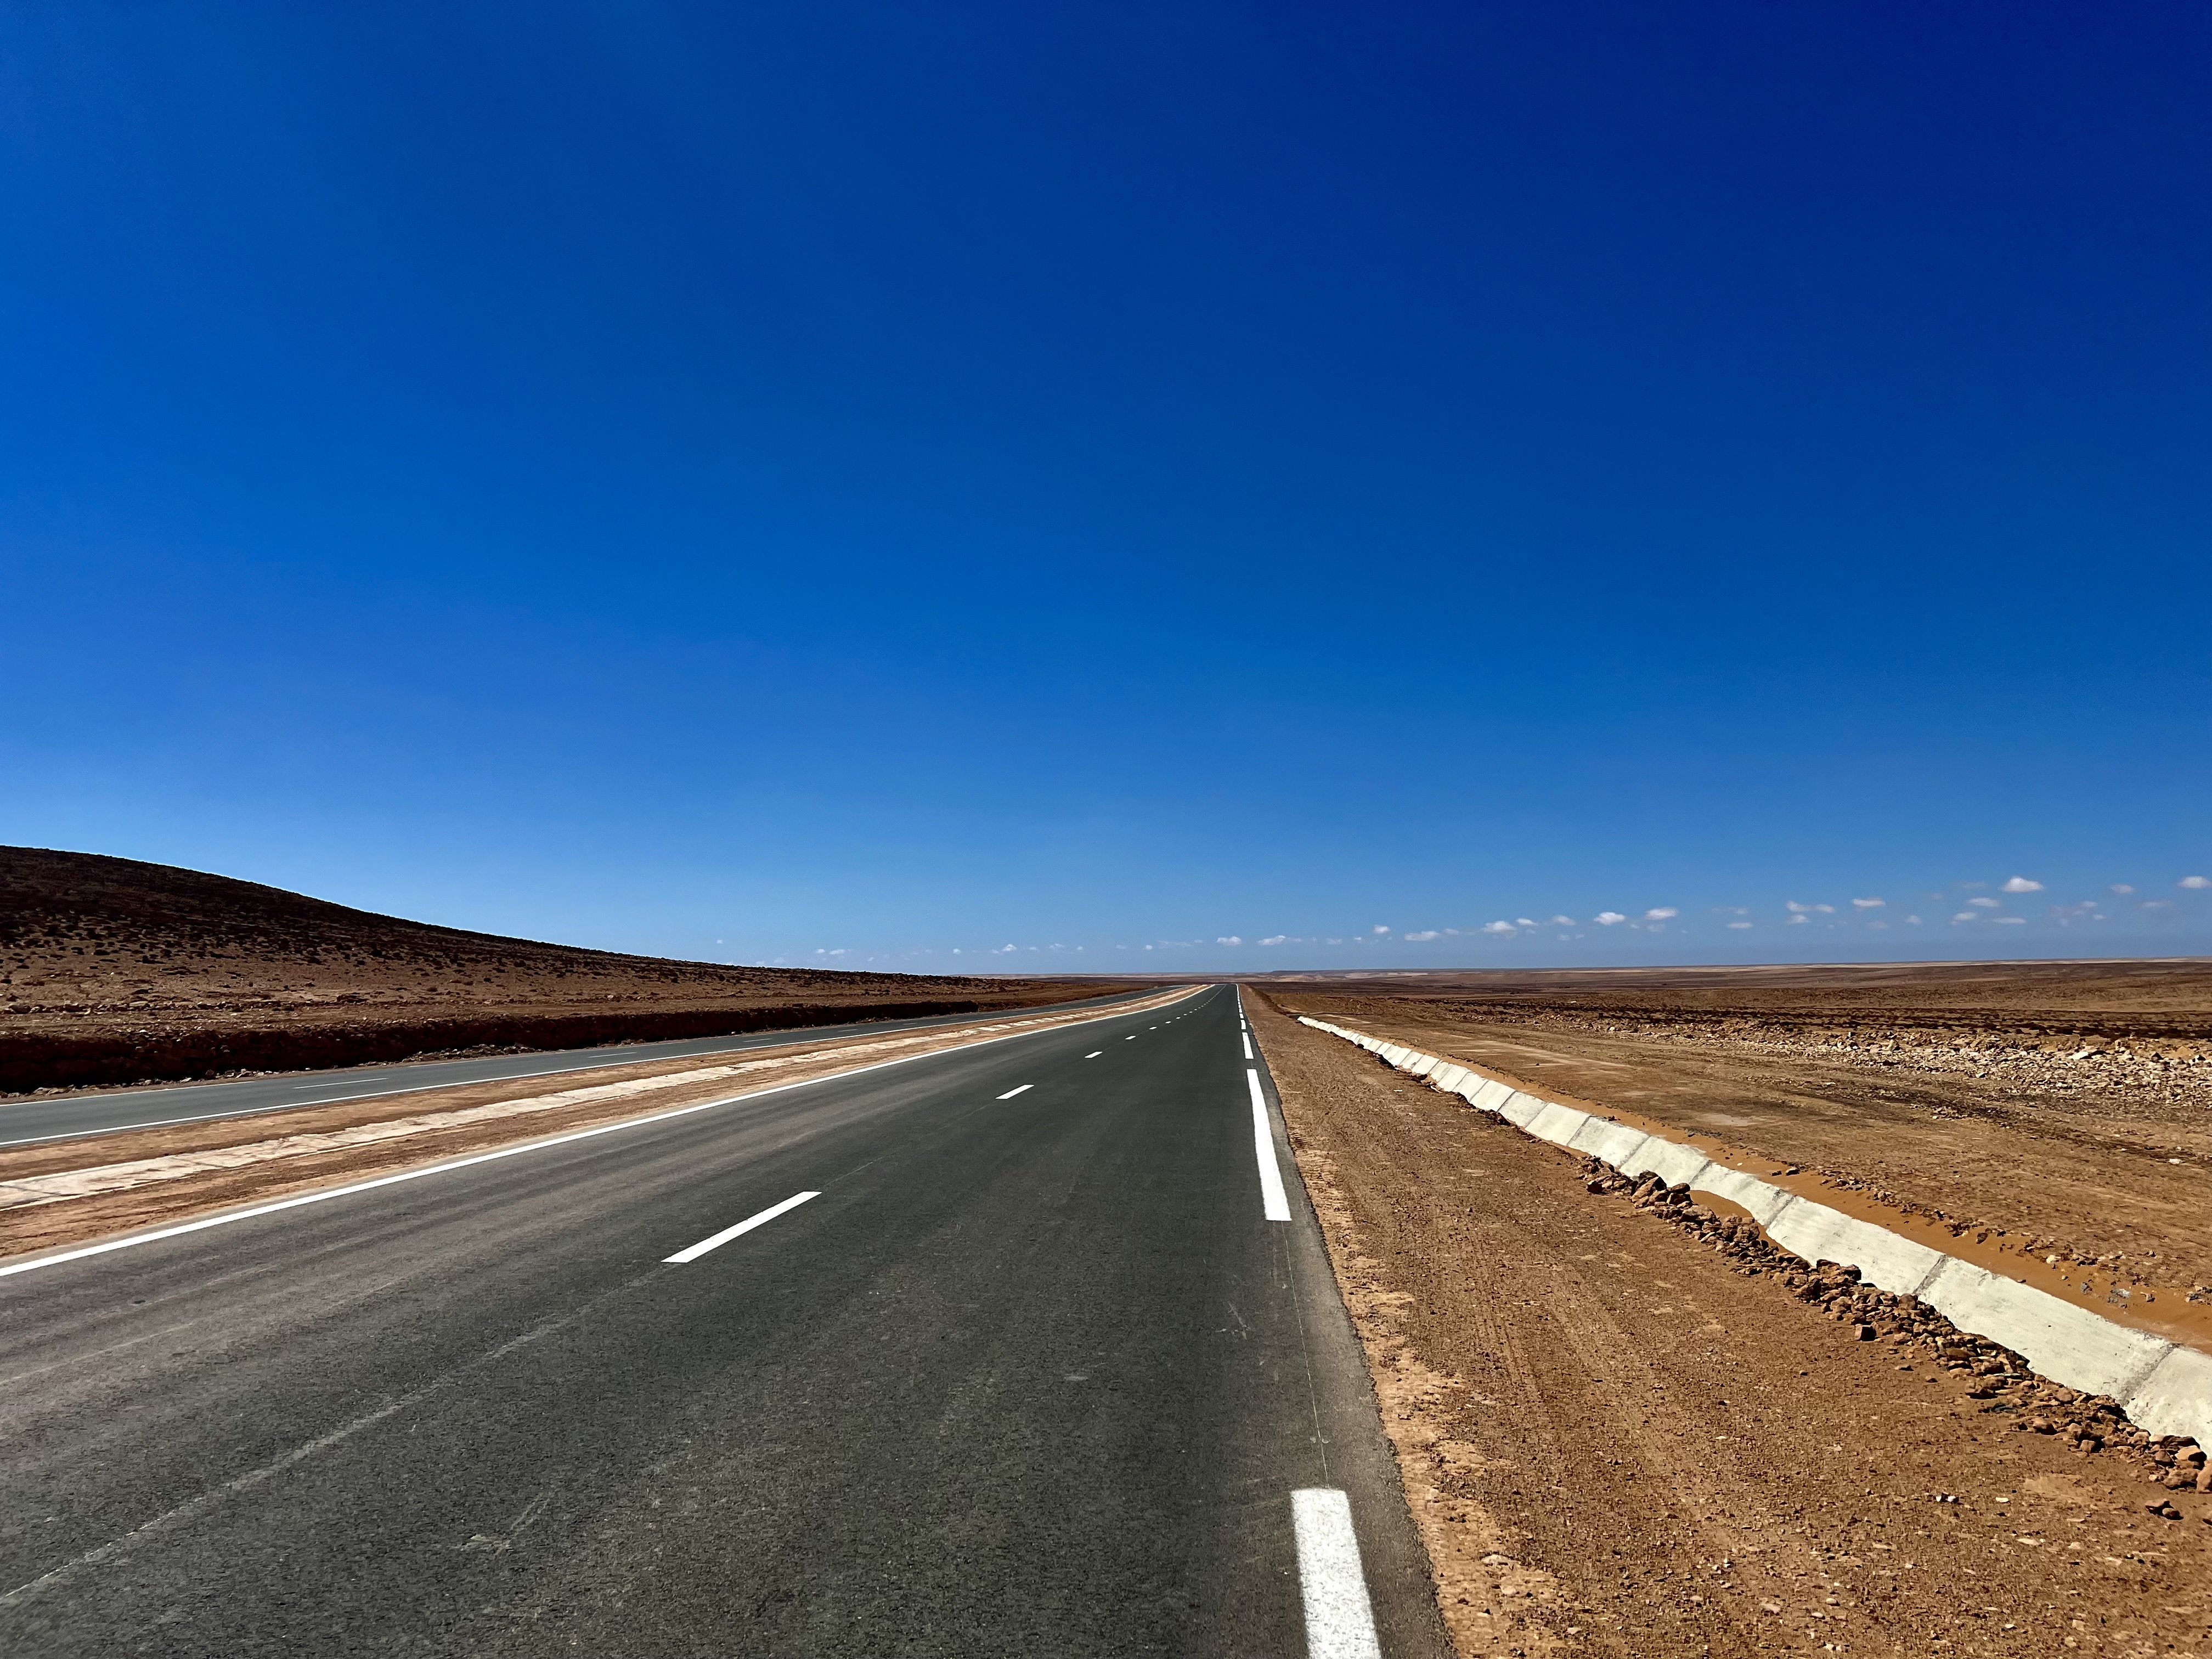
pixel 2165 1386
pixel 2091 1188
pixel 51 1199
pixel 2161 1307
pixel 1616 1440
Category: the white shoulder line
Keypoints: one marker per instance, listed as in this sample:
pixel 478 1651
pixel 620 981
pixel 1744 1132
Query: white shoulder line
pixel 1340 1618
pixel 132 1240
pixel 2165 1389
pixel 1274 1203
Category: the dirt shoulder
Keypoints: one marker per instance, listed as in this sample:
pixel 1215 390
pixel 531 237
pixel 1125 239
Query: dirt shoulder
pixel 2009 1116
pixel 274 1166
pixel 1615 1442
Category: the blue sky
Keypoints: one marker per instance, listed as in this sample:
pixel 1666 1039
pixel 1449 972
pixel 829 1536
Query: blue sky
pixel 755 481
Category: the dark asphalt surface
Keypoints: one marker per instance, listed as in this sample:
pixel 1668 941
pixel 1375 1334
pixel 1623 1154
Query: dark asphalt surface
pixel 1030 1376
pixel 23 1122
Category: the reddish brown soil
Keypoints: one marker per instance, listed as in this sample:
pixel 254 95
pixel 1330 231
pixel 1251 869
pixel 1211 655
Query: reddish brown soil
pixel 2064 1108
pixel 113 971
pixel 1616 1441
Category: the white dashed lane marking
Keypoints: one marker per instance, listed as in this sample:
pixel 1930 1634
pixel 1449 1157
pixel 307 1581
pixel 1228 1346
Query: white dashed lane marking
pixel 746 1226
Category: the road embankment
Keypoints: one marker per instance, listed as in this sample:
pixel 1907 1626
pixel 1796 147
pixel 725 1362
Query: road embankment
pixel 1616 1437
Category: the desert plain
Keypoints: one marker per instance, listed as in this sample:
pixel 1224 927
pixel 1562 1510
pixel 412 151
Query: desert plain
pixel 1627 1426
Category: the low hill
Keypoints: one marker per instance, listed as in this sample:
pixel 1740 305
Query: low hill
pixel 112 970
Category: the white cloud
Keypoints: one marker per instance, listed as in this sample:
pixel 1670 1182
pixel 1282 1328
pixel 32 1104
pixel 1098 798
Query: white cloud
pixel 1275 939
pixel 1730 910
pixel 1379 929
pixel 2021 885
pixel 1811 909
pixel 2155 905
pixel 1560 921
pixel 1984 903
pixel 1606 918
pixel 1231 939
pixel 2195 881
pixel 1800 919
pixel 1967 916
pixel 1663 912
pixel 2010 922
pixel 2120 887
pixel 1868 904
pixel 1421 937
pixel 1739 924
pixel 1500 927
pixel 1912 921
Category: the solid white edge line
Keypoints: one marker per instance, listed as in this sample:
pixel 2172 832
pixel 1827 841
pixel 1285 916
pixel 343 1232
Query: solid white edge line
pixel 133 1240
pixel 1011 1093
pixel 1340 1618
pixel 1278 1205
pixel 746 1226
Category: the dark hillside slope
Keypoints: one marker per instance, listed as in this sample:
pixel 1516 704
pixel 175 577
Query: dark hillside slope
pixel 117 971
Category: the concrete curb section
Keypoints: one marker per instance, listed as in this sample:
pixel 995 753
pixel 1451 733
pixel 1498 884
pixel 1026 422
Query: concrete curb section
pixel 2164 1388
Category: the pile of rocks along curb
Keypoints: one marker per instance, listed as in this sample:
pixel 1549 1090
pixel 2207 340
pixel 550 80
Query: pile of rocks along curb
pixel 2087 1423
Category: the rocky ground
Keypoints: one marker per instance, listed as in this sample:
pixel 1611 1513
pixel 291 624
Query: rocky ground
pixel 2062 1110
pixel 1628 1426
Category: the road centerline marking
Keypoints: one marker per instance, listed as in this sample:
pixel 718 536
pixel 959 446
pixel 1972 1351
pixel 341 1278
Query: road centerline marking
pixel 1094 1053
pixel 1340 1618
pixel 1278 1205
pixel 1023 1089
pixel 718 1240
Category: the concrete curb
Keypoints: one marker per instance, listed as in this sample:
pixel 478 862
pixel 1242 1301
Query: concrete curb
pixel 2164 1388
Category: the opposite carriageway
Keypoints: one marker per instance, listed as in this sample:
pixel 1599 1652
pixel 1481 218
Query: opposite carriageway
pixel 31 1121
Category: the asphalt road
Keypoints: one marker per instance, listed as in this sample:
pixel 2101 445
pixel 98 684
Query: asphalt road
pixel 1032 1373
pixel 25 1123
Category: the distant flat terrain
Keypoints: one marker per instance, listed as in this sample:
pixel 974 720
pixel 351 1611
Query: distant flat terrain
pixel 114 971
pixel 2067 1102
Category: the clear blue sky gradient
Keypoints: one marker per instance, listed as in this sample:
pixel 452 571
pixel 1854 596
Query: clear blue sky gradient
pixel 755 481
